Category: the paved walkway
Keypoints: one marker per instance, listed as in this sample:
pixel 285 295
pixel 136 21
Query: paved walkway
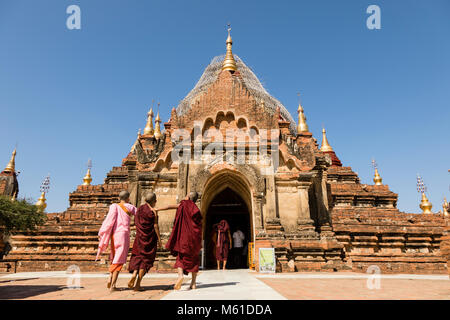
pixel 229 284
pixel 226 285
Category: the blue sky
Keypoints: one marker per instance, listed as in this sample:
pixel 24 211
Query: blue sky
pixel 70 95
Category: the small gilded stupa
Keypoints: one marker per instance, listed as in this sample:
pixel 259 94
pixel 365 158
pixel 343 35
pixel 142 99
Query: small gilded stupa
pixel 327 149
pixel 302 125
pixel 229 63
pixel 425 205
pixel 148 130
pixel 158 133
pixel 9 185
pixel 11 166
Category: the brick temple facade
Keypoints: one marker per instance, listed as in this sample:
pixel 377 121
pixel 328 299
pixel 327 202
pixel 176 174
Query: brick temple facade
pixel 282 190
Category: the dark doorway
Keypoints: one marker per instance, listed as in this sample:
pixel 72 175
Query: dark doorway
pixel 228 205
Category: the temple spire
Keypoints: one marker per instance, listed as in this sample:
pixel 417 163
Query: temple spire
pixel 45 186
pixel 158 133
pixel 425 205
pixel 149 126
pixel 377 178
pixel 88 178
pixel 229 63
pixel 302 125
pixel 325 145
pixel 11 166
pixel 445 207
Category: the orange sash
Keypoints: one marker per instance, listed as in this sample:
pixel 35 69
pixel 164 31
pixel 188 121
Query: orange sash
pixel 125 209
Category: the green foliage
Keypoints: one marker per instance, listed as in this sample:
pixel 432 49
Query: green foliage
pixel 19 215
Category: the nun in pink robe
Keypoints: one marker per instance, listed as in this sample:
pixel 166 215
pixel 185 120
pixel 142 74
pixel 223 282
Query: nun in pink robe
pixel 116 227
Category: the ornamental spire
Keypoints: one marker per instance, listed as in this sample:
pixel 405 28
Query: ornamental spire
pixel 425 205
pixel 377 179
pixel 88 178
pixel 11 166
pixel 149 126
pixel 45 186
pixel 229 63
pixel 325 145
pixel 158 133
pixel 445 208
pixel 302 125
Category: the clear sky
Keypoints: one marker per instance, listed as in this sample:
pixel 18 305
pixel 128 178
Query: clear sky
pixel 70 95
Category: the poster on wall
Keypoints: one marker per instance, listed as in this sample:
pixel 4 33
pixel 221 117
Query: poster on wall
pixel 267 262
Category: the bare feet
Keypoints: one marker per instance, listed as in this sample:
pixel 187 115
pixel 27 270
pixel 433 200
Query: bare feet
pixel 131 282
pixel 177 285
pixel 114 289
pixel 138 288
pixel 108 285
pixel 193 286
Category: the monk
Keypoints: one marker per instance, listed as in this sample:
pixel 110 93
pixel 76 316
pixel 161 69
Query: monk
pixel 146 242
pixel 116 228
pixel 185 240
pixel 222 242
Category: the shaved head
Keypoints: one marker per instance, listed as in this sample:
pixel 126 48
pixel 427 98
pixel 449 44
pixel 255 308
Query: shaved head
pixel 150 197
pixel 124 195
pixel 193 196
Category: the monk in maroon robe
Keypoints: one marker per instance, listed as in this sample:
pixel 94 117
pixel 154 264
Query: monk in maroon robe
pixel 222 242
pixel 185 240
pixel 146 242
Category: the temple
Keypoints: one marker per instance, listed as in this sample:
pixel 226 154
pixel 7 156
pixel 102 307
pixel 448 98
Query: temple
pixel 278 185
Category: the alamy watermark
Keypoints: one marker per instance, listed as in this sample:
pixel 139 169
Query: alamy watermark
pixel 374 20
pixel 73 278
pixel 374 278
pixel 74 20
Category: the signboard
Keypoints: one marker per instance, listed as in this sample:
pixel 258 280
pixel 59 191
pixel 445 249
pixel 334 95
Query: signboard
pixel 267 262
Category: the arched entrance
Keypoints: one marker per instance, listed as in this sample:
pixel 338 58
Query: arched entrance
pixel 227 196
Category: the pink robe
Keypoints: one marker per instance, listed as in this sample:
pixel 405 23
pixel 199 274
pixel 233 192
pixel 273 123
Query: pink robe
pixel 117 224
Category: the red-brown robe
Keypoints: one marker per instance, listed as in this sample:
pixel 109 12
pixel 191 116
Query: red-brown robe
pixel 146 242
pixel 185 241
pixel 222 241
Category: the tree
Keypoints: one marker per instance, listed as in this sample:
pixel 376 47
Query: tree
pixel 19 215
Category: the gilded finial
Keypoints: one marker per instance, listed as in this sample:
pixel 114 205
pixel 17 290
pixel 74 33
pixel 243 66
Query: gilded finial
pixel 229 63
pixel 158 133
pixel 445 208
pixel 377 179
pixel 302 125
pixel 11 166
pixel 325 145
pixel 425 205
pixel 45 186
pixel 148 130
pixel 41 204
pixel 87 178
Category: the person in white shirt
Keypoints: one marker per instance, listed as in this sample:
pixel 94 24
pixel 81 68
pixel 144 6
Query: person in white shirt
pixel 238 245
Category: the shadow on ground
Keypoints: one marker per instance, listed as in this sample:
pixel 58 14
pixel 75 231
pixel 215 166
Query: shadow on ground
pixel 26 291
pixel 158 287
pixel 210 285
